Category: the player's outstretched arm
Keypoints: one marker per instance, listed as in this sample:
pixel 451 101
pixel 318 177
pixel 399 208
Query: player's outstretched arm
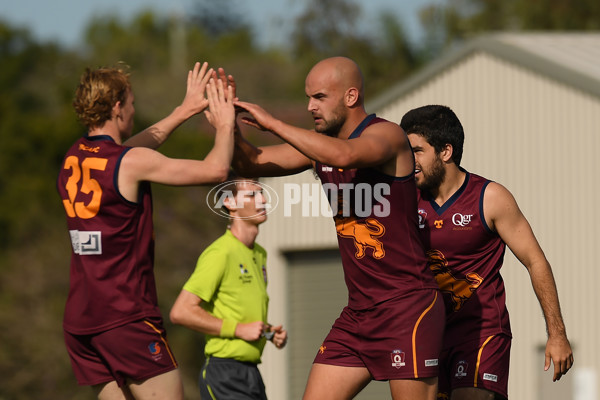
pixel 276 160
pixel 250 161
pixel 193 103
pixel 221 115
pixel 504 216
pixel 144 164
pixel 379 144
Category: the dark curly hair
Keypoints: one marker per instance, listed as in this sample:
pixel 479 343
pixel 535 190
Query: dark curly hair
pixel 439 126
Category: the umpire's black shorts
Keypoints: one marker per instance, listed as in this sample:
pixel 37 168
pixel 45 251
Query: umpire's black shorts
pixel 228 379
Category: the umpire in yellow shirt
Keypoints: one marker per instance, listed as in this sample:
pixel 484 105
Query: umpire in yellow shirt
pixel 226 299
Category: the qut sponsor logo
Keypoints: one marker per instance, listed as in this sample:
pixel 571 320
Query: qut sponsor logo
pixel 461 220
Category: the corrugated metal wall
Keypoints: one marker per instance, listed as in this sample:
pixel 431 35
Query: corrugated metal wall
pixel 540 139
pixel 537 137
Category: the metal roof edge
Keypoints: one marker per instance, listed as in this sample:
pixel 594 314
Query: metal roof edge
pixel 544 66
pixel 491 44
pixel 420 77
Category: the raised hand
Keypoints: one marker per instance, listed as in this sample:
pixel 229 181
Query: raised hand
pixel 221 113
pixel 261 119
pixel 194 101
pixel 227 80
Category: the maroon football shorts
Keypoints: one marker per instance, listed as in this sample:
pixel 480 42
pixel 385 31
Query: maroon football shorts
pixel 135 351
pixel 399 338
pixel 481 363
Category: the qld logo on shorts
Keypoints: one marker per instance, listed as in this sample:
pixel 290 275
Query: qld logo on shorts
pixel 461 369
pixel 398 359
pixel 155 351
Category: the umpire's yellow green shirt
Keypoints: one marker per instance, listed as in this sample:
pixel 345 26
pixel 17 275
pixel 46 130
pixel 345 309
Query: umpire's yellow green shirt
pixel 231 280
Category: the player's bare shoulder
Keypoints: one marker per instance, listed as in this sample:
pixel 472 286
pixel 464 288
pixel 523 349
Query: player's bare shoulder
pixel 498 201
pixel 495 193
pixel 393 132
pixel 390 134
pixel 400 160
pixel 139 157
pixel 139 164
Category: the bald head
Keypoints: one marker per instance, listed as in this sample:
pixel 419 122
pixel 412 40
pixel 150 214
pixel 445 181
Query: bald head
pixel 339 72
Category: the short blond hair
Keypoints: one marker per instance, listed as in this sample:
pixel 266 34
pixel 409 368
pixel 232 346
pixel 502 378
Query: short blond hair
pixel 98 91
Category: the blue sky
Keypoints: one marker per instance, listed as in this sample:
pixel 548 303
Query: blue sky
pixel 64 20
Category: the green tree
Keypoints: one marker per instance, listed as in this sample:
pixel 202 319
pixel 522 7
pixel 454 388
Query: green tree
pixel 458 20
pixel 37 125
pixel 559 14
pixel 329 28
pixel 217 21
pixel 325 28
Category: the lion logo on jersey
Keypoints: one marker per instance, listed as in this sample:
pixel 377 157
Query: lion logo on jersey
pixel 364 235
pixel 459 289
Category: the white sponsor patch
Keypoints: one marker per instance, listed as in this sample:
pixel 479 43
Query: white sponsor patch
pixel 431 363
pixel 490 377
pixel 86 242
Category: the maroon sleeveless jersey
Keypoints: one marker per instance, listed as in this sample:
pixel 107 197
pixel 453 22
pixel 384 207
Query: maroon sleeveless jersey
pixel 112 278
pixel 466 257
pixel 376 222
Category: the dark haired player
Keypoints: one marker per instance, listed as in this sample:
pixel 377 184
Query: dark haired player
pixel 465 222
